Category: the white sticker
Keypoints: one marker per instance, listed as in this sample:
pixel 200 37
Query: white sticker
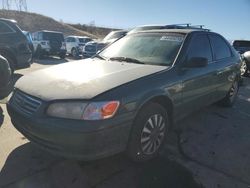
pixel 172 38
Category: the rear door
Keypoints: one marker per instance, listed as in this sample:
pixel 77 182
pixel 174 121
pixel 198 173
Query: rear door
pixel 224 63
pixel 198 83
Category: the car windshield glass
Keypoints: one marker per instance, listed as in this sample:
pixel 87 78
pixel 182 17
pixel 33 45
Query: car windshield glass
pixel 53 36
pixel 144 28
pixel 148 48
pixel 113 35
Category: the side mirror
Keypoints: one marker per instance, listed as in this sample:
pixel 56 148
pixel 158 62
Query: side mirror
pixel 197 62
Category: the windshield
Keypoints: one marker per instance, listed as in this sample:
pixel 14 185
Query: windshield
pixel 148 48
pixel 144 28
pixel 114 35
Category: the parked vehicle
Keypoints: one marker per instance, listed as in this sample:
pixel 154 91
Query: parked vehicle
pixel 75 44
pixel 92 48
pixel 5 76
pixel 29 38
pixel 127 97
pixel 245 67
pixel 243 46
pixel 14 45
pixel 49 43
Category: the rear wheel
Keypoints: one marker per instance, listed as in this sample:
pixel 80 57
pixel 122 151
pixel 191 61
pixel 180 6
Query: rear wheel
pixel 62 55
pixel 230 99
pixel 74 53
pixel 39 53
pixel 148 133
pixel 10 60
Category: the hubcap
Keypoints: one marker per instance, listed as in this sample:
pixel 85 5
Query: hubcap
pixel 153 134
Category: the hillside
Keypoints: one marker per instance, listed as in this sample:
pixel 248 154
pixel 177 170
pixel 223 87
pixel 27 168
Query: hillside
pixel 35 22
pixel 95 30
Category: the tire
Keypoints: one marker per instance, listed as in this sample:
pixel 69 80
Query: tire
pixel 62 56
pixel 11 62
pixel 146 142
pixel 74 53
pixel 38 53
pixel 231 96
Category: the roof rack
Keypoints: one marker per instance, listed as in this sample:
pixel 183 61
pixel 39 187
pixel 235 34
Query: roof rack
pixel 186 26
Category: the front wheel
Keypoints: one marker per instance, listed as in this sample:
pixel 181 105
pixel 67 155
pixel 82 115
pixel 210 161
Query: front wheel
pixel 231 96
pixel 148 133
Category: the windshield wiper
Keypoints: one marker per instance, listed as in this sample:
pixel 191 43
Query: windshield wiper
pixel 126 59
pixel 99 56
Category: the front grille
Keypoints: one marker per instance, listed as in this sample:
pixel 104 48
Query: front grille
pixel 25 103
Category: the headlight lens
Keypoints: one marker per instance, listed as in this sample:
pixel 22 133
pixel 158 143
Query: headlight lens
pixel 84 111
pixel 70 110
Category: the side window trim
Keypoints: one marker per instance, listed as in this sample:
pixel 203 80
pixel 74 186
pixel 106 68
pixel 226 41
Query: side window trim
pixel 12 30
pixel 212 50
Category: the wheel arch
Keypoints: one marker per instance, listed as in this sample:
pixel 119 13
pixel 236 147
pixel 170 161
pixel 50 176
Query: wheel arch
pixel 162 99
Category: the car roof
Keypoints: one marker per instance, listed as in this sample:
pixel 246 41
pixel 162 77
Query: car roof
pixel 181 31
pixel 47 31
pixel 75 36
pixel 8 20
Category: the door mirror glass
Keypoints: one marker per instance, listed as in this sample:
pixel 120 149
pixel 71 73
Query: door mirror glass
pixel 197 62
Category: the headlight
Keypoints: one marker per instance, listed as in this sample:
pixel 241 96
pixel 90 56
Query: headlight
pixel 84 111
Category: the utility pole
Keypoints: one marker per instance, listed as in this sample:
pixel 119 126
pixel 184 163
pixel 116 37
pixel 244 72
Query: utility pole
pixel 21 5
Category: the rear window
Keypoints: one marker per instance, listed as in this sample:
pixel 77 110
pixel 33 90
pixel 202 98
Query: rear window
pixel 53 36
pixel 84 40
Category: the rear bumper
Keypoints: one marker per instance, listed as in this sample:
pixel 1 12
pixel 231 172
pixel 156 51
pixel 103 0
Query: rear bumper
pixel 54 52
pixel 73 138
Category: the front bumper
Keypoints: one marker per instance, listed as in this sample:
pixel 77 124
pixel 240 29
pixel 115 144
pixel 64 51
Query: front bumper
pixel 88 54
pixel 85 140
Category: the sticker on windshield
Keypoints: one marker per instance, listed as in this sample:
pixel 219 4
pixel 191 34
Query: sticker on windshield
pixel 172 38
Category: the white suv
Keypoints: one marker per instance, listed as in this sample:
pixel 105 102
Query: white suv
pixel 75 44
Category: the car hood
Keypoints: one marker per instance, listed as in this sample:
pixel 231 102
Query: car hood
pixel 82 79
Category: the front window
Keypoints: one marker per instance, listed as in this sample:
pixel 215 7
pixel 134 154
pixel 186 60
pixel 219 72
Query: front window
pixel 147 48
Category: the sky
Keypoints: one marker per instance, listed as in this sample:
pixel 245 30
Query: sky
pixel 230 18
